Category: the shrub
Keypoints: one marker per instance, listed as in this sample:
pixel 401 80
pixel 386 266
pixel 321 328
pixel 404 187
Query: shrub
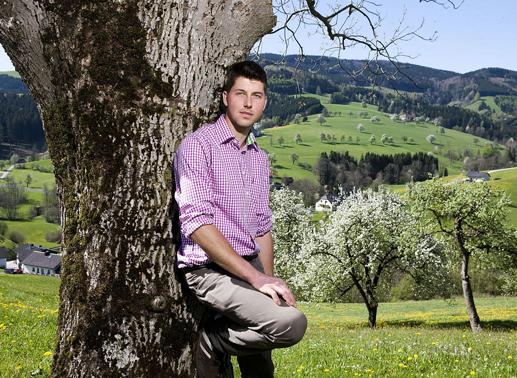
pixel 3 228
pixel 53 236
pixel 17 237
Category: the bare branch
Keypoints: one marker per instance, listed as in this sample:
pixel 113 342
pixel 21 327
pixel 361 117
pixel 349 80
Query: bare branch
pixel 358 24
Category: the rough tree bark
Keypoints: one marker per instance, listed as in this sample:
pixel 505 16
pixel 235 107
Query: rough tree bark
pixel 118 85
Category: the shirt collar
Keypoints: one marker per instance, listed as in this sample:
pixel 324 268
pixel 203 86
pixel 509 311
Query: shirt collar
pixel 223 133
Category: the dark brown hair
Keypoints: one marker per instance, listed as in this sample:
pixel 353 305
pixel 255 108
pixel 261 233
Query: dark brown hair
pixel 247 69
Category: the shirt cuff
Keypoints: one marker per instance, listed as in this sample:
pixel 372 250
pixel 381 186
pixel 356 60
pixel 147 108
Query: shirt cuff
pixel 188 227
pixel 264 229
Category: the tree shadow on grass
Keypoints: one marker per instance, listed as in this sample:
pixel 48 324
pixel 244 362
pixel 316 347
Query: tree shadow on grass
pixel 492 325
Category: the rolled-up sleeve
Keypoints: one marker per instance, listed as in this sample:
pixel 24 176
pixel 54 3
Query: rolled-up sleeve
pixel 193 185
pixel 263 211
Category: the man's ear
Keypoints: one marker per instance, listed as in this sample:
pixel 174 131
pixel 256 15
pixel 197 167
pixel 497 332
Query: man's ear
pixel 225 98
pixel 265 103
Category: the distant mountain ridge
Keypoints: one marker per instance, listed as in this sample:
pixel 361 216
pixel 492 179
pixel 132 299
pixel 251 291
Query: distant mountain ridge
pixel 447 85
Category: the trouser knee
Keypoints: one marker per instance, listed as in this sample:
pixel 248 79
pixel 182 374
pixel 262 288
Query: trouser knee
pixel 291 328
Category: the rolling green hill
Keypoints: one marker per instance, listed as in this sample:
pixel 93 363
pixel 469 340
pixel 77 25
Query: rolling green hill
pixel 310 148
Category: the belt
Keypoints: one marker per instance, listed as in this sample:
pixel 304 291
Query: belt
pixel 212 265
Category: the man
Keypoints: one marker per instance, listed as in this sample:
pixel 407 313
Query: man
pixel 222 189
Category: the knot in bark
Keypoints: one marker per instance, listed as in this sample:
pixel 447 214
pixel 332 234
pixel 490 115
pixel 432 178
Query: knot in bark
pixel 158 303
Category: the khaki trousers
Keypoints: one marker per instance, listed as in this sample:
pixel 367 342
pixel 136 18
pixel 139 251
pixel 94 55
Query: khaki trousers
pixel 252 323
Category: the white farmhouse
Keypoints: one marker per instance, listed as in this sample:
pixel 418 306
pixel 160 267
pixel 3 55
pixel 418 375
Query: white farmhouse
pixel 327 203
pixel 48 264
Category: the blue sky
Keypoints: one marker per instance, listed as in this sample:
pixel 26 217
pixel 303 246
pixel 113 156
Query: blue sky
pixel 479 34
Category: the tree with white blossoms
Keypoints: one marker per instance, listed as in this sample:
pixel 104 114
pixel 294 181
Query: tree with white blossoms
pixel 384 138
pixel 297 138
pixel 431 138
pixel 360 127
pixel 370 236
pixel 472 217
pixel 291 225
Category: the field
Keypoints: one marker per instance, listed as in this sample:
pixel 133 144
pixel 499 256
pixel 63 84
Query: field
pixel 310 148
pixel 413 339
pixel 34 230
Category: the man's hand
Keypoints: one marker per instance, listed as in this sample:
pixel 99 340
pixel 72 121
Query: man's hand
pixel 275 288
pixel 219 250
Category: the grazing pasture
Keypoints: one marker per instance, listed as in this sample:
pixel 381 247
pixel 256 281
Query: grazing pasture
pixel 413 339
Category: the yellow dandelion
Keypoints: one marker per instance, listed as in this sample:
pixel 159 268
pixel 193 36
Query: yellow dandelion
pixel 488 343
pixel 361 349
pixel 457 360
pixel 472 373
pixel 433 343
pixel 400 350
pixel 510 357
pixel 48 353
pixel 464 336
pixel 401 365
pixel 419 333
pixel 326 370
pixel 410 358
pixel 374 349
pixel 416 355
pixel 18 367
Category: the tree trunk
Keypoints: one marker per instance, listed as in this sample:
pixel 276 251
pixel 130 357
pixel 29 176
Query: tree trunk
pixel 475 322
pixel 118 85
pixel 372 315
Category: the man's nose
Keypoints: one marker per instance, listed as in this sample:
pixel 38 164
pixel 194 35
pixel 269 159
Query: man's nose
pixel 247 101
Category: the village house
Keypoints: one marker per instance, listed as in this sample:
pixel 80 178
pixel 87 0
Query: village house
pixel 36 259
pixel 478 176
pixel 3 257
pixel 327 203
pixel 44 263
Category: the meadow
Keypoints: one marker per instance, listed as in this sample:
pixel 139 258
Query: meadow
pixel 35 229
pixel 413 339
pixel 310 148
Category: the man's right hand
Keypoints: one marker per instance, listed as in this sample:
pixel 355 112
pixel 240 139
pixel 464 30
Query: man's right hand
pixel 274 287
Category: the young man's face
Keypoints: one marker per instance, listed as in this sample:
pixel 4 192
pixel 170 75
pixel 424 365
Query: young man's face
pixel 245 102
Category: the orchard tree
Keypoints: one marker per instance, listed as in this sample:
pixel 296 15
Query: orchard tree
pixel 291 225
pixel 294 157
pixel 472 217
pixel 118 85
pixel 321 119
pixel 431 138
pixel 360 128
pixel 297 119
pixel 384 139
pixel 297 138
pixel 322 137
pixel 372 139
pixel 371 236
pixel 280 140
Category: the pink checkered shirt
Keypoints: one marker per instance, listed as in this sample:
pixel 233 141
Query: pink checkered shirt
pixel 219 184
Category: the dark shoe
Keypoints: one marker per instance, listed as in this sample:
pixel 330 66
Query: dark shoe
pixel 210 362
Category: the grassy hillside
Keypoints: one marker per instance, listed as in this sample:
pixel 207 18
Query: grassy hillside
pixel 10 73
pixel 489 100
pixel 34 230
pixel 311 147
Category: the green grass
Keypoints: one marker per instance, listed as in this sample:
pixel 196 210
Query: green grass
pixel 489 100
pixel 311 147
pixel 34 230
pixel 39 179
pixel 28 316
pixel 413 339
